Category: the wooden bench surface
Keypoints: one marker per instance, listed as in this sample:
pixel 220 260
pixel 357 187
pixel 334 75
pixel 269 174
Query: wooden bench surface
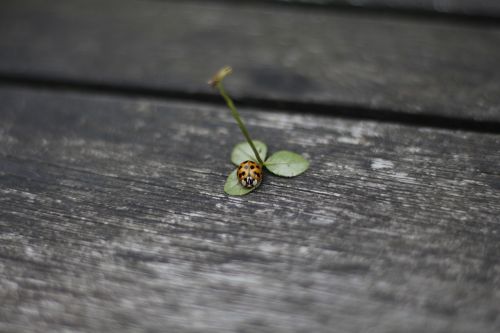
pixel 113 156
pixel 297 57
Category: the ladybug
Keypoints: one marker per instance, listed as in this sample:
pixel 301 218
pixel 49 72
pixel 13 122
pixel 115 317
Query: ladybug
pixel 249 174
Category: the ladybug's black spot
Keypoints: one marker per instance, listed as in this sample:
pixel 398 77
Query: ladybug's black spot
pixel 257 174
pixel 252 167
pixel 241 174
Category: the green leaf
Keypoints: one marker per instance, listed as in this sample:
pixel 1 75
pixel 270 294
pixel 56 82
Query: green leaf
pixel 233 186
pixel 243 152
pixel 286 163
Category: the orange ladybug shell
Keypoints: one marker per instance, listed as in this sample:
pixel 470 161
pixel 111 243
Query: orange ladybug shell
pixel 249 174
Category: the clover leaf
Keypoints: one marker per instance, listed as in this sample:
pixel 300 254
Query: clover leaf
pixel 243 152
pixel 286 164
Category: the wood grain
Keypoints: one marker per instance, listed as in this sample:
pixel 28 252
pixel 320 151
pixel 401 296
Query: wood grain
pixel 113 218
pixel 374 62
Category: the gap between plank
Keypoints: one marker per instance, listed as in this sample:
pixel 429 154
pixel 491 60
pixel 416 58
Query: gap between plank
pixel 483 19
pixel 346 111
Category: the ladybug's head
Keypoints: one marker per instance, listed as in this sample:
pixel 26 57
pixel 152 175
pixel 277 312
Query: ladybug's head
pixel 249 182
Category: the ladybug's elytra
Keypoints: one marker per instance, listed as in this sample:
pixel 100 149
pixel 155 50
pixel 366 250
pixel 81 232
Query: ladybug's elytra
pixel 249 174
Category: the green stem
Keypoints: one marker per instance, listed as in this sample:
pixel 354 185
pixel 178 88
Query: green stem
pixel 237 117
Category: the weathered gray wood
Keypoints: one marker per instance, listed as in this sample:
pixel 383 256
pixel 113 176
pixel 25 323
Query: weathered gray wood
pixel 284 54
pixel 487 8
pixel 112 218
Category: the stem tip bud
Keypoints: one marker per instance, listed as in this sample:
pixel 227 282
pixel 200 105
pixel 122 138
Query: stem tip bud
pixel 220 75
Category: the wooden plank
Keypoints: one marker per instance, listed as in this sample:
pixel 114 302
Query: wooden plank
pixel 484 8
pixel 372 62
pixel 112 217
